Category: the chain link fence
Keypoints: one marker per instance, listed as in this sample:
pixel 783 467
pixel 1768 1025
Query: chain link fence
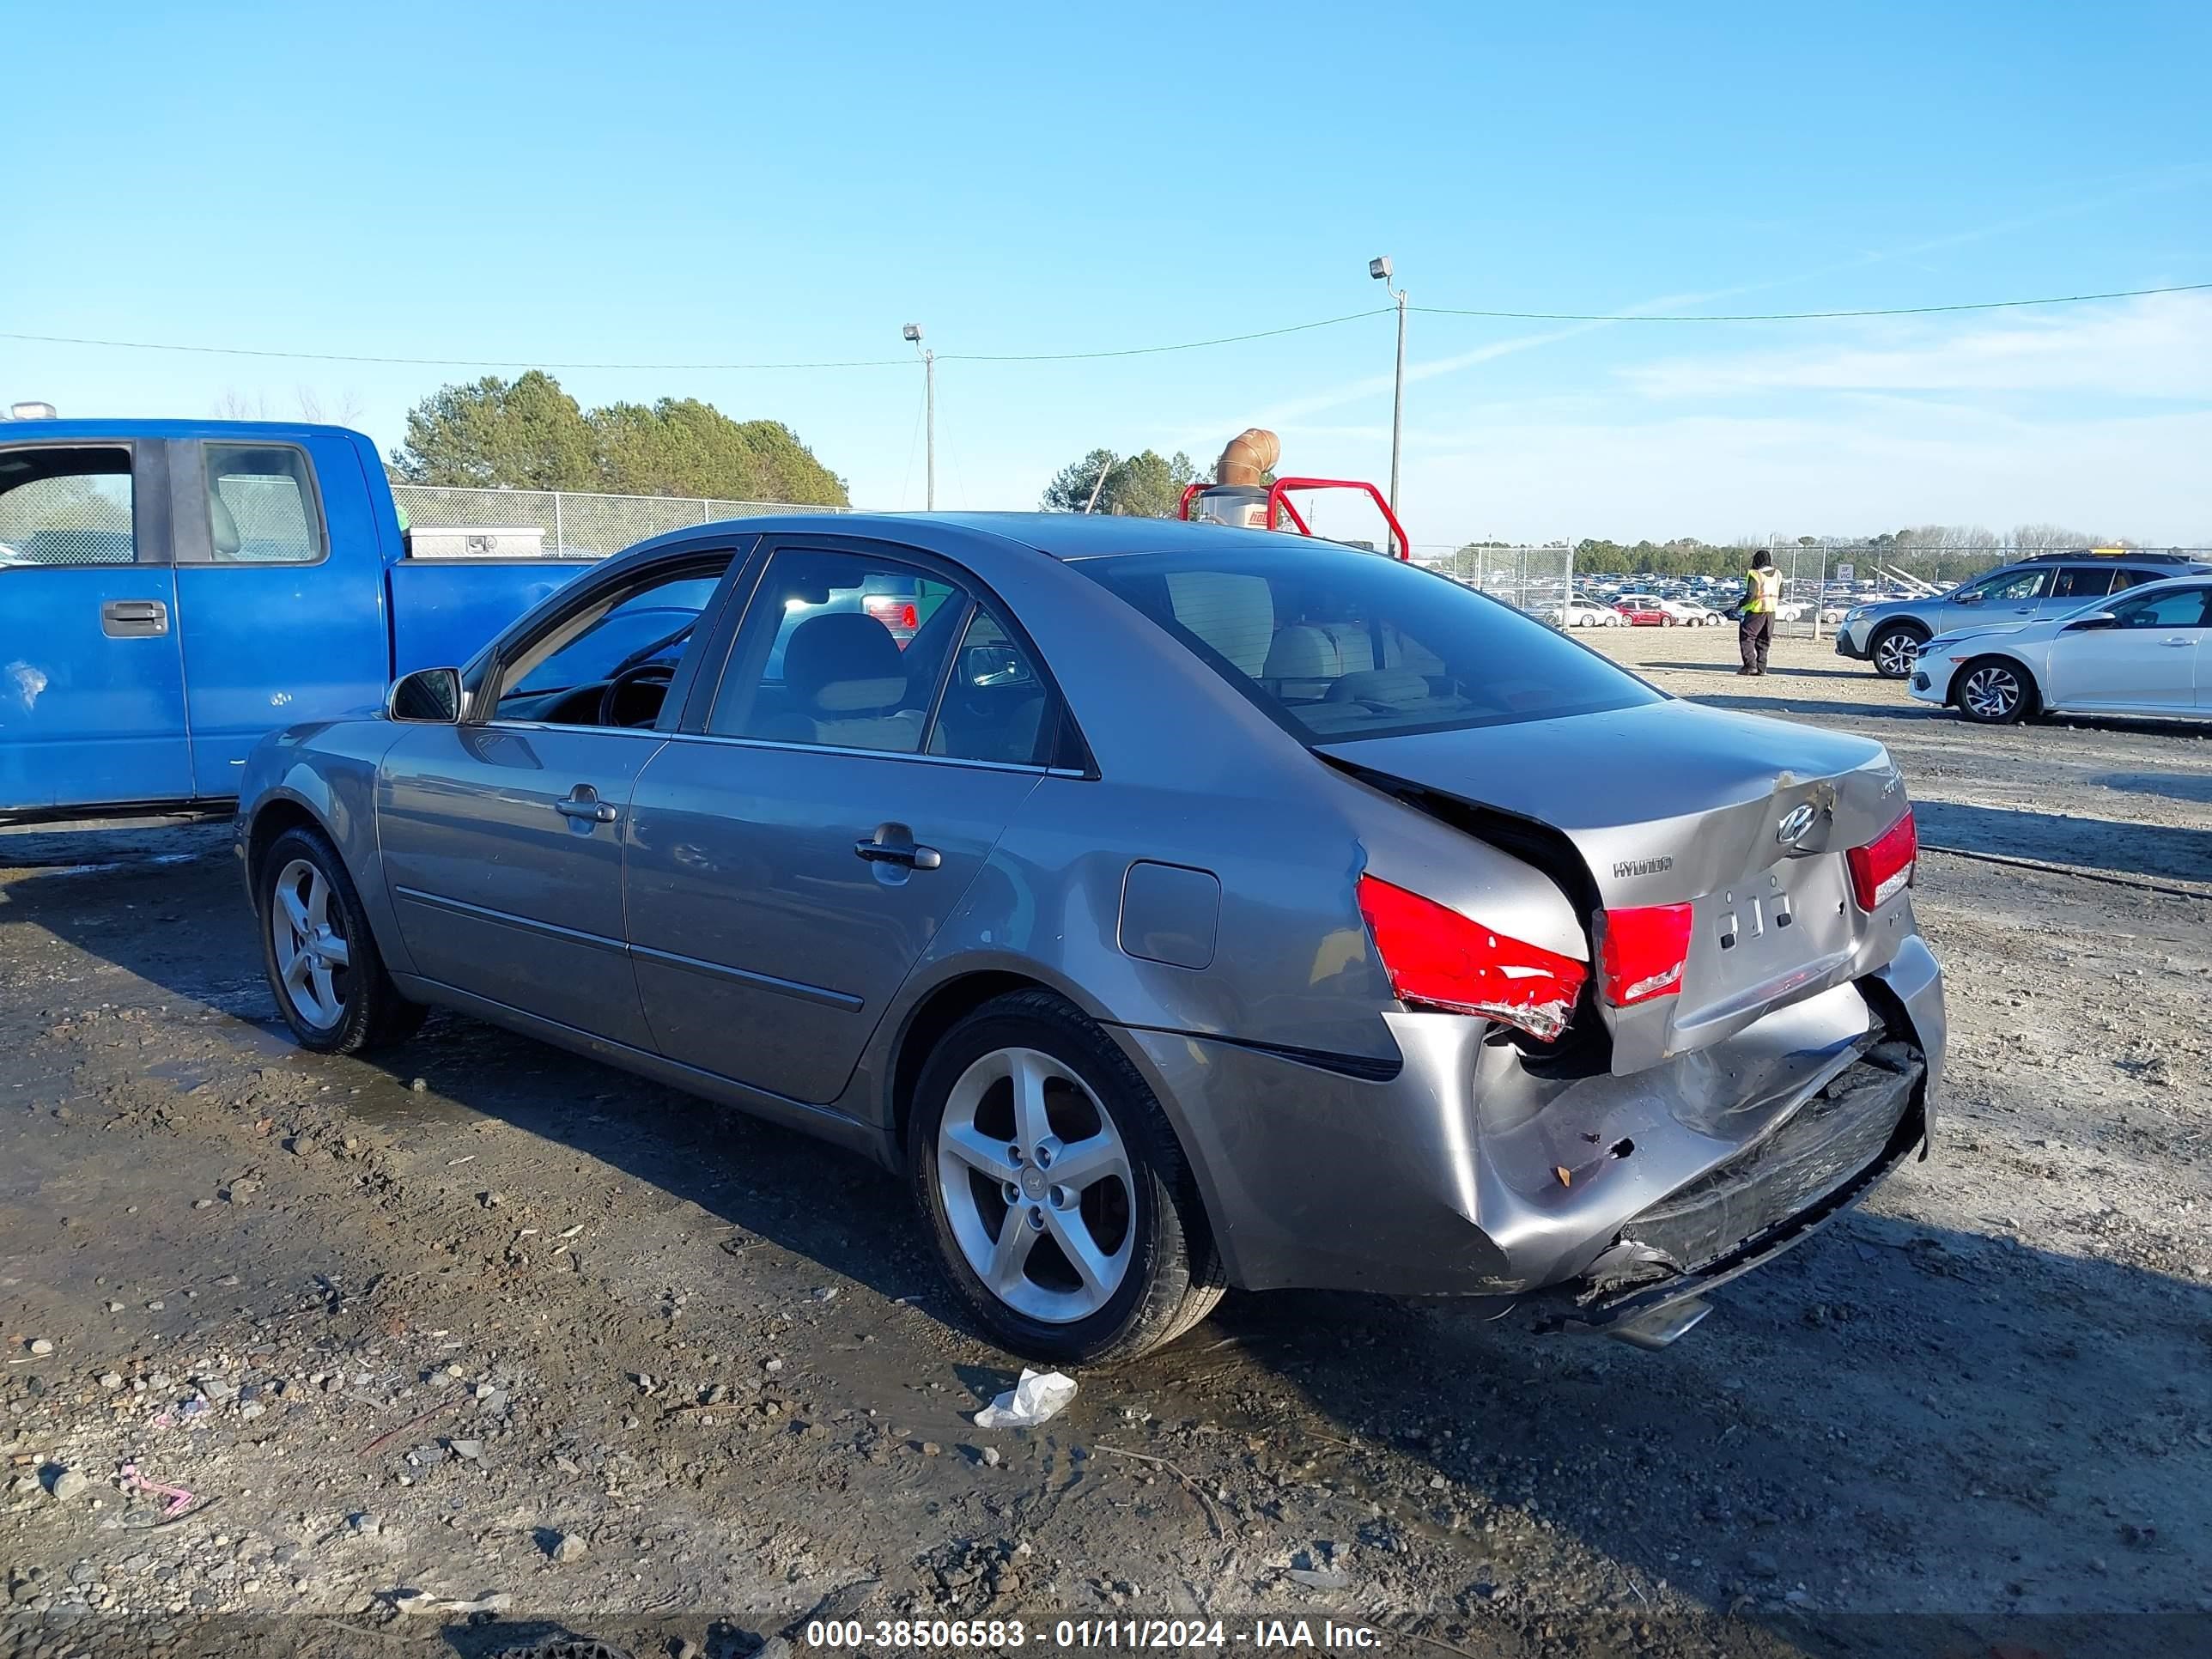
pixel 451 522
pixel 1531 579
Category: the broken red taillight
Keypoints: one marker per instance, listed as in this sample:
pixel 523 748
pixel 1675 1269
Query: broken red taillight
pixel 1886 865
pixel 1642 952
pixel 1437 959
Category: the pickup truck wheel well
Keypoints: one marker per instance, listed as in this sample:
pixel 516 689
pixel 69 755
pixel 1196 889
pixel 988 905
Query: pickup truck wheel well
pixel 271 822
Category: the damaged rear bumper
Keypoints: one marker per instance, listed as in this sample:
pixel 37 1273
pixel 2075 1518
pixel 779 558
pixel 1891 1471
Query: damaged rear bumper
pixel 1779 1192
pixel 1473 1174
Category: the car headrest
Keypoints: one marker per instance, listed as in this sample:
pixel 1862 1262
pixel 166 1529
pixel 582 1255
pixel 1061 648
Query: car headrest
pixel 221 526
pixel 844 662
pixel 1394 687
pixel 1303 651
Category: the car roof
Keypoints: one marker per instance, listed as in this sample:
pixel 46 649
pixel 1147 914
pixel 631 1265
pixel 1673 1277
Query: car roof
pixel 1066 536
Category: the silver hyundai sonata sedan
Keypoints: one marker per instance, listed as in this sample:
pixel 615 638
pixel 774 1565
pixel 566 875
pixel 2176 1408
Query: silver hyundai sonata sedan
pixel 1177 907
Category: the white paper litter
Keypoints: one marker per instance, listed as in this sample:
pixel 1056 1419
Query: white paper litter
pixel 1038 1395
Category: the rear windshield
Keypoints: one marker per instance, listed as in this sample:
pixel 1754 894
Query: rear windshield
pixel 1336 645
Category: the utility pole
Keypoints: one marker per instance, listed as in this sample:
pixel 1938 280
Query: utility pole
pixel 1379 269
pixel 912 331
pixel 1107 468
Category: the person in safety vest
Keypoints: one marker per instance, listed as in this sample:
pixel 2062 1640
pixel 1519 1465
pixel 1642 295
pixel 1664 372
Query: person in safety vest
pixel 1762 591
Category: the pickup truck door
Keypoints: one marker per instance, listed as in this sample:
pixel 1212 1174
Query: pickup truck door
pixel 503 839
pixel 279 592
pixel 91 690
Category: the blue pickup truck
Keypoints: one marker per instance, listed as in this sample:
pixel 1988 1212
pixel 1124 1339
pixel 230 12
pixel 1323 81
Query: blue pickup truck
pixel 172 590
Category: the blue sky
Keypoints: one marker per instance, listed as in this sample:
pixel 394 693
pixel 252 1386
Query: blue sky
pixel 737 183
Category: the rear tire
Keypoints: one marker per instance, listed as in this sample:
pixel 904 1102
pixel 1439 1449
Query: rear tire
pixel 1893 649
pixel 1996 691
pixel 324 967
pixel 976 1151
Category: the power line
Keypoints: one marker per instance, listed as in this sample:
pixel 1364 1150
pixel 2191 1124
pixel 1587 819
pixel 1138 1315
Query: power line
pixel 1121 351
pixel 535 363
pixel 1806 316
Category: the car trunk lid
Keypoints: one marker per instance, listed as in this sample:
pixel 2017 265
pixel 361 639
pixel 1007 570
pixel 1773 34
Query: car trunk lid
pixel 1746 820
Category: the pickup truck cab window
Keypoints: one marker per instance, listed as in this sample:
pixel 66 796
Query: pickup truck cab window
pixel 261 505
pixel 66 506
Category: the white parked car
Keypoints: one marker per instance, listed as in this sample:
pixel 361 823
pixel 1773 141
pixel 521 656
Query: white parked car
pixel 1588 613
pixel 2149 653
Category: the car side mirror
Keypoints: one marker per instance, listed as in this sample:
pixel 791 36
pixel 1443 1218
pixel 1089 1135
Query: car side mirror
pixel 429 697
pixel 994 664
pixel 1966 598
pixel 2094 619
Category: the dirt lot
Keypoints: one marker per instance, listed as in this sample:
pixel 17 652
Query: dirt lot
pixel 402 1329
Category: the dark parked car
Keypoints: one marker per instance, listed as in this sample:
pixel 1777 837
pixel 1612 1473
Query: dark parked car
pixel 1181 908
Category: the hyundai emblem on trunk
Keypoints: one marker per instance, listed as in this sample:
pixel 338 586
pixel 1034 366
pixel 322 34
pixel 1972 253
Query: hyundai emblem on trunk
pixel 1795 823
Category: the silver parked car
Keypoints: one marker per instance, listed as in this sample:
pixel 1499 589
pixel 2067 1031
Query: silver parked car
pixel 2143 654
pixel 1179 906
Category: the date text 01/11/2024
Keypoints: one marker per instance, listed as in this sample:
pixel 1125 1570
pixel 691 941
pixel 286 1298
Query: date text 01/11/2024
pixel 952 1635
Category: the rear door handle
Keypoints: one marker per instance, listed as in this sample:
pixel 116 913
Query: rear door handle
pixel 133 619
pixel 583 804
pixel 894 844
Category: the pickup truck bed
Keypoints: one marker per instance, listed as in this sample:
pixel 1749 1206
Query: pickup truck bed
pixel 171 591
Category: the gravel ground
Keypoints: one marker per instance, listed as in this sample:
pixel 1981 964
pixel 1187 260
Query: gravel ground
pixel 484 1346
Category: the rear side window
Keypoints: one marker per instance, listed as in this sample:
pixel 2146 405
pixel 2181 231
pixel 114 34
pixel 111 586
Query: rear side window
pixel 2083 582
pixel 1335 645
pixel 839 649
pixel 261 505
pixel 66 506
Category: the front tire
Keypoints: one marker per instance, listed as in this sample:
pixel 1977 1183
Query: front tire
pixel 324 967
pixel 1064 1212
pixel 1996 691
pixel 1894 650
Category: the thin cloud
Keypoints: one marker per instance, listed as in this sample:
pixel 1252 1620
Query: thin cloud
pixel 2157 347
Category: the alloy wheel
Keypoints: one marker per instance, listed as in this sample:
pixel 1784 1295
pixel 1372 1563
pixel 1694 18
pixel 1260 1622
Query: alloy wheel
pixel 1895 653
pixel 314 962
pixel 1036 1186
pixel 1991 692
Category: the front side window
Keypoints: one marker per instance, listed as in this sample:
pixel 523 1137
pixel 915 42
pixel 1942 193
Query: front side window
pixel 612 663
pixel 1335 646
pixel 2013 586
pixel 66 507
pixel 842 649
pixel 261 505
pixel 2182 607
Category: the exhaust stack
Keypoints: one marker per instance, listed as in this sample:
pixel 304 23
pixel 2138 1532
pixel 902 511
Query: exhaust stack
pixel 1237 494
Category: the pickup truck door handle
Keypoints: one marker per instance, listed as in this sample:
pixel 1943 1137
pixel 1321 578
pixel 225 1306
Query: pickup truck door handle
pixel 133 619
pixel 894 844
pixel 583 804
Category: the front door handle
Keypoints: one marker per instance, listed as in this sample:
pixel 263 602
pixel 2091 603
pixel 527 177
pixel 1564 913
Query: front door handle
pixel 2178 643
pixel 583 804
pixel 134 619
pixel 894 844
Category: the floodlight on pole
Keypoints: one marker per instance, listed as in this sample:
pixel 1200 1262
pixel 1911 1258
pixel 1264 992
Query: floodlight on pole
pixel 912 332
pixel 1379 268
